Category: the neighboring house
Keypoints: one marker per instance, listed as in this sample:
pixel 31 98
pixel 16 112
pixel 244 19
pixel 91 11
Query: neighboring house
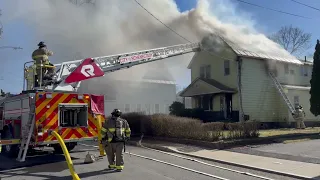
pixel 234 84
pixel 153 93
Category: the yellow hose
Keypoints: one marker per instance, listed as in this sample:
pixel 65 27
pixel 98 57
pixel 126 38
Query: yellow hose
pixel 66 155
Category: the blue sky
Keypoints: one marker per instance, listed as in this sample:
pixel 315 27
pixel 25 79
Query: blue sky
pixel 266 22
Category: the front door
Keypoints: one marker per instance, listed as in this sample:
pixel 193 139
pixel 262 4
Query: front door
pixel 228 102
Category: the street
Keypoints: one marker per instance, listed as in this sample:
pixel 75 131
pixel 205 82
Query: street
pixel 141 164
pixel 305 151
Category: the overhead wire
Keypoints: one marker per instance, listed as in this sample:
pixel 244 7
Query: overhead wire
pixel 275 10
pixel 306 5
pixel 211 53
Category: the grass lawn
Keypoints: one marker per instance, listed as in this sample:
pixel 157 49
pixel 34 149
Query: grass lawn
pixel 275 132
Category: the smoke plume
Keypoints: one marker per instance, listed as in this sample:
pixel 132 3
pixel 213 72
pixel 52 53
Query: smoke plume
pixel 109 27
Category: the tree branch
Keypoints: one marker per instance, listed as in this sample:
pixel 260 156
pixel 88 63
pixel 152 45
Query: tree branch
pixel 292 39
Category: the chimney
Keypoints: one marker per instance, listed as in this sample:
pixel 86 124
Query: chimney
pixel 305 58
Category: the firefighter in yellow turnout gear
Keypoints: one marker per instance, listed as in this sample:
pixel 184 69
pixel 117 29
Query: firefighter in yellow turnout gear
pixel 115 132
pixel 41 56
pixel 299 116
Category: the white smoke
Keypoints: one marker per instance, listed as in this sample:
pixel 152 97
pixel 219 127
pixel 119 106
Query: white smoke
pixel 118 26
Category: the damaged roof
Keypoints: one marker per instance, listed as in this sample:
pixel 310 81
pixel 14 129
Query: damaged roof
pixel 256 53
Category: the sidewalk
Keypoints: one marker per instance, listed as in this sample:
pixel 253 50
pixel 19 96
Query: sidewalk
pixel 278 166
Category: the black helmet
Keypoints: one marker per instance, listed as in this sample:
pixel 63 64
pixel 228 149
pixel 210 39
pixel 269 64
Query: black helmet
pixel 41 44
pixel 116 113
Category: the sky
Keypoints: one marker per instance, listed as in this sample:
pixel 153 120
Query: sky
pixel 18 32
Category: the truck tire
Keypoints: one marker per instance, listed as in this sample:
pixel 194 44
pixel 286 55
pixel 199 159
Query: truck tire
pixel 70 146
pixel 11 151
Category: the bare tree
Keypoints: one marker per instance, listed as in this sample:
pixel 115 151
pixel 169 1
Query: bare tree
pixel 293 39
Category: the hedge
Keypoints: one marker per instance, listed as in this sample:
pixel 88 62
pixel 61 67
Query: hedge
pixel 187 128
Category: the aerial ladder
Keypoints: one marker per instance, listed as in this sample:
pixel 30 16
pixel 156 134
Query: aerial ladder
pixel 70 74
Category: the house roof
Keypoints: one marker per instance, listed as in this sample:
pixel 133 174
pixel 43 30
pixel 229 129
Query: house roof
pixel 260 54
pixel 214 88
pixel 277 53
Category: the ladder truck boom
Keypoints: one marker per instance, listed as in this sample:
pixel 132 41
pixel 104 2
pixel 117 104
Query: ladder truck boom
pixel 71 73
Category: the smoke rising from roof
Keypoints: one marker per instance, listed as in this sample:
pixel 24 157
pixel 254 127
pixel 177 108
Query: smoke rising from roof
pixel 118 26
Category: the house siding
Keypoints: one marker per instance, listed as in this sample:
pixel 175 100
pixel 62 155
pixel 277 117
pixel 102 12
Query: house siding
pixel 217 73
pixel 294 79
pixel 260 99
pixel 304 97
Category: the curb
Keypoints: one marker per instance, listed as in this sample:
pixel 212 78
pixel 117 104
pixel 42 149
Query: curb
pixel 161 148
pixel 229 144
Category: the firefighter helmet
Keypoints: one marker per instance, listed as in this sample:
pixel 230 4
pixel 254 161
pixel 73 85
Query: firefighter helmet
pixel 42 44
pixel 116 113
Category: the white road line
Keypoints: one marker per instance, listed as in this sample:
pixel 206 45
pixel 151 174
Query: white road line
pixel 190 159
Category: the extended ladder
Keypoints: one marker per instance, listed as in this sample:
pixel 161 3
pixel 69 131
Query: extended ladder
pixel 120 61
pixel 27 132
pixel 283 95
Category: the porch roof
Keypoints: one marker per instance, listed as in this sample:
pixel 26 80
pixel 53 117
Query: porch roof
pixel 203 86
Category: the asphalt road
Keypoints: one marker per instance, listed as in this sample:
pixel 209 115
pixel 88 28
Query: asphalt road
pixel 50 166
pixel 305 151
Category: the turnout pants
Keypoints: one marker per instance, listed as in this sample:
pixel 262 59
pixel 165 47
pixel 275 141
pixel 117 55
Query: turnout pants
pixel 300 124
pixel 115 155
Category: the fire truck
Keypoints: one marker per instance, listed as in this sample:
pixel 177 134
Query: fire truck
pixel 27 118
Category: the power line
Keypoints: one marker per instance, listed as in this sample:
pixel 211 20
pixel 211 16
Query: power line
pixel 176 31
pixel 306 5
pixel 279 11
pixel 161 21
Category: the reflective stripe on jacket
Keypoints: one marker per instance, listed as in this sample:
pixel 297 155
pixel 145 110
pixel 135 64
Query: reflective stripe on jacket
pixel 108 131
pixel 41 55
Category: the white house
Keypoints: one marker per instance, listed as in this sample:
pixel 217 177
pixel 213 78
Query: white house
pixel 152 93
pixel 234 84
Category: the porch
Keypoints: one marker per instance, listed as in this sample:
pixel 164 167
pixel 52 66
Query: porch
pixel 220 102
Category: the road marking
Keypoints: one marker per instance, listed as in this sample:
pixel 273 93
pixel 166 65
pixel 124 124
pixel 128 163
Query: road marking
pixel 194 160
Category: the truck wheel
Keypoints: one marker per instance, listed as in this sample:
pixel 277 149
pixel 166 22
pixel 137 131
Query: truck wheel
pixel 11 151
pixel 70 146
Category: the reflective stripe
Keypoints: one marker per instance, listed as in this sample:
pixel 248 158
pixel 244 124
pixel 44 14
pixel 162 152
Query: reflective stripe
pixel 112 166
pixel 39 56
pixel 109 139
pixel 112 129
pixel 128 130
pixel 119 167
pixel 103 129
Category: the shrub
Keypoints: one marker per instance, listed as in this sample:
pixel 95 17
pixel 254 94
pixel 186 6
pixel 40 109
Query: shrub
pixel 176 108
pixel 139 123
pixel 243 130
pixel 187 128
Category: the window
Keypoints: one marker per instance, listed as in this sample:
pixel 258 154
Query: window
pixel 156 108
pixel 208 71
pixel 202 73
pixel 147 108
pixel 205 71
pixel 305 71
pixel 127 108
pixel 296 100
pixel 226 67
pixel 138 107
pixel 291 71
pixel 286 68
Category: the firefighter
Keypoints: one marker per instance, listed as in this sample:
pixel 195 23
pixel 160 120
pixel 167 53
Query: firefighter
pixel 115 132
pixel 299 116
pixel 40 56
